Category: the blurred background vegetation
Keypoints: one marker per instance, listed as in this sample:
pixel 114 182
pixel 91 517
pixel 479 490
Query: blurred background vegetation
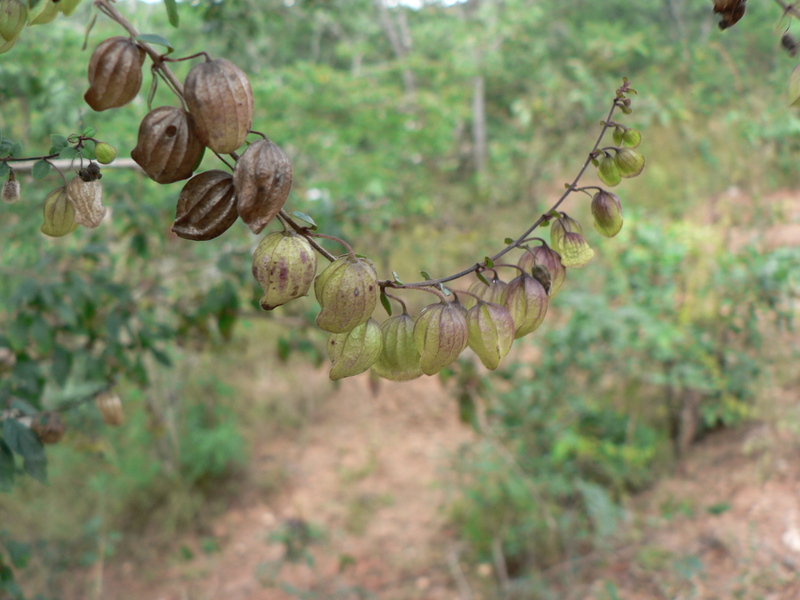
pixel 424 136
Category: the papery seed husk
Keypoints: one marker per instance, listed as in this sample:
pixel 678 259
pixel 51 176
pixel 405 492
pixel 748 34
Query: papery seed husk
pixel 44 12
pixel 218 94
pixel 545 257
pixel 48 427
pixel 527 303
pixel 13 16
pixel 559 228
pixel 110 407
pixel 59 216
pixel 399 358
pixel 284 263
pixel 491 332
pixel 68 6
pixel 629 162
pixel 263 178
pixel 575 250
pixel 440 335
pixel 168 148
pixel 355 351
pixel 86 198
pixel 115 73
pixel 206 206
pixel 608 171
pixel 347 292
pixel 11 190
pixel 607 213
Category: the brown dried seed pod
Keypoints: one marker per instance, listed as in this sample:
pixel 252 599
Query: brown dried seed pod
pixel 110 407
pixel 168 148
pixel 49 428
pixel 86 198
pixel 219 96
pixel 206 206
pixel 263 178
pixel 115 73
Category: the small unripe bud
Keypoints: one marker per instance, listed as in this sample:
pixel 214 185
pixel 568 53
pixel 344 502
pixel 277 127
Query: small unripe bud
pixel 355 351
pixel 629 162
pixel 399 359
pixel 607 212
pixel 11 189
pixel 347 292
pixel 105 153
pixel 440 335
pixel 284 263
pixel 491 332
pixel 527 303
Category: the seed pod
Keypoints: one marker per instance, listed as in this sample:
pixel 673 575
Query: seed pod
pixel 105 152
pixel 218 94
pixel 399 359
pixel 631 138
pixel 86 198
pixel 115 73
pixel 440 335
pixel 49 428
pixel 527 304
pixel 11 189
pixel 629 162
pixel 6 46
pixel 284 263
pixel 494 292
pixel 607 212
pixel 110 407
pixel 168 149
pixel 575 250
pixel 544 264
pixel 206 206
pixel 355 351
pixel 491 332
pixel 263 178
pixel 608 171
pixel 558 230
pixel 59 216
pixel 43 12
pixel 13 16
pixel 347 292
pixel 68 6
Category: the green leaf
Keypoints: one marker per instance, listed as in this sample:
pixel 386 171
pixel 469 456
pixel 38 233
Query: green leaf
pixel 480 276
pixel 488 262
pixel 40 169
pixel 426 275
pixel 6 467
pixel 16 150
pixel 284 349
pixel 172 12
pixel 17 334
pixel 25 443
pixel 4 169
pixel 59 143
pixel 43 335
pixel 305 218
pixel 161 357
pixel 154 38
pixel 508 241
pixel 89 131
pixel 387 306
pixel 68 152
pixel 18 552
pixel 396 278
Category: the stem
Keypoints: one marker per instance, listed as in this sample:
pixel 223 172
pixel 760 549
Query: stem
pixel 304 232
pixel 47 157
pixel 789 9
pixel 333 239
pixel 396 299
pixel 433 291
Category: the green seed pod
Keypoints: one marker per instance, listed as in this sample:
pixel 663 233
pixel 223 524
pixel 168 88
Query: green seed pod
pixel 559 229
pixel 68 6
pixel 13 16
pixel 86 198
pixel 284 263
pixel 491 332
pixel 629 162
pixel 11 189
pixel 355 351
pixel 106 153
pixel 631 138
pixel 440 335
pixel 399 359
pixel 494 292
pixel 607 212
pixel 347 292
pixel 6 46
pixel 544 258
pixel 43 12
pixel 608 170
pixel 59 216
pixel 527 303
pixel 575 251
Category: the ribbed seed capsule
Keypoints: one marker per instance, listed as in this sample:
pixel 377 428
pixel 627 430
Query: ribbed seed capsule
pixel 86 198
pixel 494 292
pixel 219 96
pixel 11 189
pixel 491 332
pixel 168 148
pixel 575 250
pixel 206 206
pixel 608 171
pixel 59 216
pixel 399 359
pixel 115 73
pixel 440 335
pixel 48 427
pixel 263 178
pixel 543 257
pixel 13 16
pixel 347 292
pixel 68 6
pixel 527 303
pixel 110 407
pixel 607 213
pixel 559 229
pixel 355 351
pixel 43 12
pixel 284 263
pixel 629 162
